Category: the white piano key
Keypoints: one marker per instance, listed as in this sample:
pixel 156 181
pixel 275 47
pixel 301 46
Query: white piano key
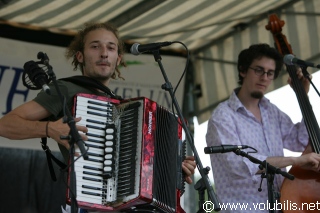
pixel 96 138
pixel 89 198
pixel 96 151
pixel 95 158
pixel 87 162
pixel 96 131
pixel 81 167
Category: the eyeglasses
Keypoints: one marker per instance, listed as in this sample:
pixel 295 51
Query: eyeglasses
pixel 260 72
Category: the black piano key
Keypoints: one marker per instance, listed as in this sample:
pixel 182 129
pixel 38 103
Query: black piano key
pixel 94 146
pixel 91 179
pixel 95 141
pixel 99 109
pixel 95 154
pixel 95 160
pixel 96 121
pixel 91 173
pixel 94 135
pixel 92 193
pixel 95 127
pixel 108 115
pixel 92 168
pixel 107 104
pixel 107 175
pixel 91 187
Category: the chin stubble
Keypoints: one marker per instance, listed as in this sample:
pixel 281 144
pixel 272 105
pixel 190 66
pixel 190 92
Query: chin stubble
pixel 257 95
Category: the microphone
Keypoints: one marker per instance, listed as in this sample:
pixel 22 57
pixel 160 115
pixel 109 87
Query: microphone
pixel 290 60
pixel 223 148
pixel 35 77
pixel 137 49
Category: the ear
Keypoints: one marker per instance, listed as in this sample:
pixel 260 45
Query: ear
pixel 242 72
pixel 119 59
pixel 79 57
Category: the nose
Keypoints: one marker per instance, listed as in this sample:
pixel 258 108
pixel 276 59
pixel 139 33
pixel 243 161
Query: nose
pixel 104 52
pixel 264 76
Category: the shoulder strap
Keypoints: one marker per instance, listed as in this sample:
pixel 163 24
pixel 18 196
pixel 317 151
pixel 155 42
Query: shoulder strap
pixel 49 157
pixel 91 83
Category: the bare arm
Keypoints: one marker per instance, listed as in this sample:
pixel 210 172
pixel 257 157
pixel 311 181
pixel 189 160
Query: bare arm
pixel 24 123
pixel 309 160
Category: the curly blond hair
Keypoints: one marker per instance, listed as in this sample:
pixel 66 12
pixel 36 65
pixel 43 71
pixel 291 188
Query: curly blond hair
pixel 77 44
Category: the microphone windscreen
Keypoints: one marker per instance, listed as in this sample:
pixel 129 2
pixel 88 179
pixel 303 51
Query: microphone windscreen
pixel 134 49
pixel 287 59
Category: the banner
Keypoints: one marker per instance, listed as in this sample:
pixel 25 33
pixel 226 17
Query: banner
pixel 143 78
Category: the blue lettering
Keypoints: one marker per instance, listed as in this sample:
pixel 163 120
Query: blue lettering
pixel 2 69
pixel 14 86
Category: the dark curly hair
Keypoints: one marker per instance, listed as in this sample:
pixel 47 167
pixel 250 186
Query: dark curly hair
pixel 257 51
pixel 77 44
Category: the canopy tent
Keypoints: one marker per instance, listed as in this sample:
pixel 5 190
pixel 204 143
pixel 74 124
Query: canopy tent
pixel 214 32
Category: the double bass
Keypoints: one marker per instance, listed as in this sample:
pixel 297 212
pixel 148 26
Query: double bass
pixel 303 193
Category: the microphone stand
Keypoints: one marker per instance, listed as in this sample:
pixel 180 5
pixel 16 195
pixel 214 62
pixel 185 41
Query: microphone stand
pixel 307 76
pixel 168 87
pixel 270 171
pixel 201 187
pixel 73 137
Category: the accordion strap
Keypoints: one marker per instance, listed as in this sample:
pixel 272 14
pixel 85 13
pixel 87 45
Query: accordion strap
pixel 91 83
pixel 51 157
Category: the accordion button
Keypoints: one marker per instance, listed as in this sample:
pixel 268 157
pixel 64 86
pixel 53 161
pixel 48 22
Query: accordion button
pixel 107 169
pixel 109 143
pixel 109 137
pixel 107 162
pixel 108 156
pixel 108 150
pixel 109 131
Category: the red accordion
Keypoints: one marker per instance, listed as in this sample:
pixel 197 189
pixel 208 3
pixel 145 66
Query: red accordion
pixel 135 148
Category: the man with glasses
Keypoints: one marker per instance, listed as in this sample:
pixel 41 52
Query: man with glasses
pixel 248 118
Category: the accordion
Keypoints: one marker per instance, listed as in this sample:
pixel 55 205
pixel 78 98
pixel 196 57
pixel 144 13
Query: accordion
pixel 135 153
